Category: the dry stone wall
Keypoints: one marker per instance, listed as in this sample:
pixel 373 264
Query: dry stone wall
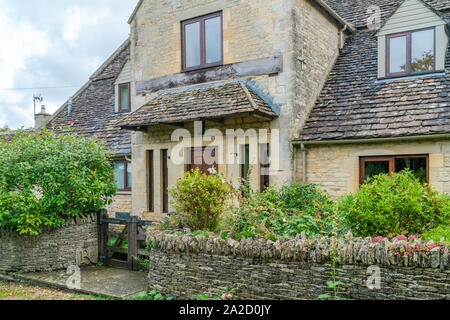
pixel 75 243
pixel 184 266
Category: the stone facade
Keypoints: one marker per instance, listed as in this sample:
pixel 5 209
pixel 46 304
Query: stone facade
pixel 300 32
pixel 336 167
pixel 296 269
pixel 121 203
pixel 75 243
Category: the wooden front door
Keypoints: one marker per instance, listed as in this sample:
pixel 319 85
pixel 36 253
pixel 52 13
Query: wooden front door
pixel 203 158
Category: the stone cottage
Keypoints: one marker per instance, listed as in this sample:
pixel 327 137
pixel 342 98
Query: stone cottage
pixel 95 109
pixel 385 105
pixel 328 92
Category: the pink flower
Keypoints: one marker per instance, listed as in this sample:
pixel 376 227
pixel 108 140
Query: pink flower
pixel 390 236
pixel 400 237
pixel 377 239
pixel 414 237
pixel 224 296
pixel 230 297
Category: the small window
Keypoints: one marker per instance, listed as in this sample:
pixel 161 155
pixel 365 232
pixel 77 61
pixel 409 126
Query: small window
pixel 245 163
pixel 124 97
pixel 265 165
pixel 410 52
pixel 151 181
pixel 202 42
pixel 165 180
pixel 372 166
pixel 123 175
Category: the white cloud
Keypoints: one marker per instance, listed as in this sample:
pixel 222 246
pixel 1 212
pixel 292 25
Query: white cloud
pixel 23 41
pixel 50 43
pixel 77 19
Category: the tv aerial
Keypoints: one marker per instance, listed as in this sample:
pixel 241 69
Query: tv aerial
pixel 37 98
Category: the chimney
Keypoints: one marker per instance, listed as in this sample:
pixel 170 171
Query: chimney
pixel 41 119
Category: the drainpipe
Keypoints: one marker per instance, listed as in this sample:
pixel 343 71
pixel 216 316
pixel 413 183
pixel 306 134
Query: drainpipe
pixel 303 163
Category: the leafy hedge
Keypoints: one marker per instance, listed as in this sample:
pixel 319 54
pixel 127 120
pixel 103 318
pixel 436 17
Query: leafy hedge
pixel 282 212
pixel 395 204
pixel 46 178
pixel 200 199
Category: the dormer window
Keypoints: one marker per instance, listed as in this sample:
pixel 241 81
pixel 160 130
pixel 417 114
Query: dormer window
pixel 410 52
pixel 202 42
pixel 124 97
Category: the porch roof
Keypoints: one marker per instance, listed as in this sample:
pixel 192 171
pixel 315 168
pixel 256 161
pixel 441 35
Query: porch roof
pixel 215 100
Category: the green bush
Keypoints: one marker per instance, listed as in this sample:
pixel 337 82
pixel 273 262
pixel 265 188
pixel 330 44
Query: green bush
pixel 394 204
pixel 201 199
pixel 438 233
pixel 46 178
pixel 283 212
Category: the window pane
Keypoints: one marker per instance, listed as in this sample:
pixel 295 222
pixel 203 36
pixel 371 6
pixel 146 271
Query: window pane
pixel 192 46
pixel 265 165
pixel 397 54
pixel 417 165
pixel 119 173
pixel 124 105
pixel 129 175
pixel 422 50
pixel 213 39
pixel 245 162
pixel 373 168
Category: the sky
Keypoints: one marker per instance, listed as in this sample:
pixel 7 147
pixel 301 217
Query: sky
pixel 54 43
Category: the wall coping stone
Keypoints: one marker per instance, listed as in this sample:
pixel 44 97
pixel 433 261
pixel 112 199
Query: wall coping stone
pixel 351 250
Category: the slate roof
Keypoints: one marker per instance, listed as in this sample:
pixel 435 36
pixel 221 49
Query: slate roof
pixel 199 102
pixel 355 11
pixel 355 105
pixel 93 106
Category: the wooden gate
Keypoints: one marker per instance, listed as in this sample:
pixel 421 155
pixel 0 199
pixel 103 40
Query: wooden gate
pixel 120 247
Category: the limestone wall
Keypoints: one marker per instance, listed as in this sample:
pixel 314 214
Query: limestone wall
pixel 121 203
pixel 75 243
pixel 336 167
pixel 296 269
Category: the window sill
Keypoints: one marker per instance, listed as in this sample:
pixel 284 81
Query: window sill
pixel 220 64
pixel 124 192
pixel 437 73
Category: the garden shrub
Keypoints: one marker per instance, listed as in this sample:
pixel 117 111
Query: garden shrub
pixel 394 204
pixel 438 233
pixel 282 212
pixel 46 178
pixel 200 199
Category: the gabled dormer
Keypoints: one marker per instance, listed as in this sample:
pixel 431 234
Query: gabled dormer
pixel 122 89
pixel 412 41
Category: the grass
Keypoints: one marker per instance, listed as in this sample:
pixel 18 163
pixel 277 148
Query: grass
pixel 24 291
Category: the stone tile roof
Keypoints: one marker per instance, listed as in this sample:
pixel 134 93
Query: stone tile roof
pixel 355 11
pixel 93 106
pixel 354 104
pixel 199 102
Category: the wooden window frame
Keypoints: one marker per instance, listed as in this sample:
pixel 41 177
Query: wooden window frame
pixel 407 34
pixel 151 180
pixel 203 63
pixel 391 159
pixel 120 97
pixel 188 156
pixel 126 164
pixel 165 180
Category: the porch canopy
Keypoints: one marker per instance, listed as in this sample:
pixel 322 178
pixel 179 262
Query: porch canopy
pixel 202 102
